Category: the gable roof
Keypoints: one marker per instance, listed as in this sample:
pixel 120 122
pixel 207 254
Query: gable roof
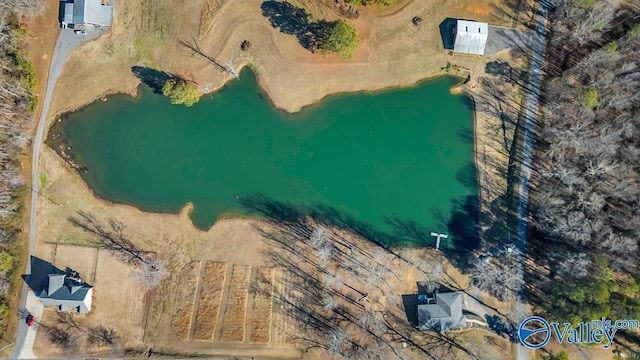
pixel 443 314
pixel 88 12
pixel 55 288
pixel 471 37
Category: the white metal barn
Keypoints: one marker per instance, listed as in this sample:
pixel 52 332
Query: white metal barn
pixel 470 37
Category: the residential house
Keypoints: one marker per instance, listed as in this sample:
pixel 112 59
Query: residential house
pixel 55 287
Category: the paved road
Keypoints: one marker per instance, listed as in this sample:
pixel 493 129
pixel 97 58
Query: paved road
pixel 531 115
pixel 67 41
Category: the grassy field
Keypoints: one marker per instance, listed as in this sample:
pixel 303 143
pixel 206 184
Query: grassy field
pixel 393 52
pixel 185 296
pixel 262 305
pixel 210 299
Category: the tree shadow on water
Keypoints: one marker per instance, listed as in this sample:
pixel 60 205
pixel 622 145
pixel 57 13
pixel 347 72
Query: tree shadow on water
pixel 462 225
pixel 292 20
pixel 464 229
pixel 153 78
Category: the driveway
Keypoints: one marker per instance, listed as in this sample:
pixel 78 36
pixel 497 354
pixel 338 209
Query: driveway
pixel 501 38
pixel 67 41
pixel 531 112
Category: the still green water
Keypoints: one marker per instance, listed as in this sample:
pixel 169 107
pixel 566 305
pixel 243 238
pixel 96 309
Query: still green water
pixel 404 154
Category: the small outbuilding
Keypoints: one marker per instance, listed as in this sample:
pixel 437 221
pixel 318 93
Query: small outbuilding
pixel 86 12
pixel 470 37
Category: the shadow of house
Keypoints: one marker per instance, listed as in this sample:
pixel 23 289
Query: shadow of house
pixel 447 32
pixel 410 303
pixel 55 287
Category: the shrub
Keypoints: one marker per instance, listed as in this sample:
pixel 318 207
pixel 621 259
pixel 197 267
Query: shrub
pixel 4 310
pixel 611 47
pixel 589 98
pixel 339 37
pixel 6 261
pixel 181 92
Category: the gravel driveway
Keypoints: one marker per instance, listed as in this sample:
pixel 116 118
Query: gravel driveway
pixel 67 41
pixel 501 38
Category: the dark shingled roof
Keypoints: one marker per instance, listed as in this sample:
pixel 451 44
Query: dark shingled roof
pixel 54 287
pixel 444 314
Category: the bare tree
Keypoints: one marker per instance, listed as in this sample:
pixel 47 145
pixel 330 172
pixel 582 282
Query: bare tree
pixel 63 338
pixel 68 321
pixel 338 343
pixel 329 302
pixel 150 274
pixel 103 336
pixel 111 237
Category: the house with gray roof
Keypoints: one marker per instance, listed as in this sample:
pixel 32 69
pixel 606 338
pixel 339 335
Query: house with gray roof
pixel 55 287
pixel 470 37
pixel 442 312
pixel 86 12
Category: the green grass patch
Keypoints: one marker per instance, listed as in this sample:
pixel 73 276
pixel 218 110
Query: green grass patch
pixel 634 31
pixel 43 180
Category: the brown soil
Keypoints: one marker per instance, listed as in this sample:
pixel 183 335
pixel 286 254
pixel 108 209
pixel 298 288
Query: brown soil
pixel 262 305
pixel 210 297
pixel 185 296
pixel 236 305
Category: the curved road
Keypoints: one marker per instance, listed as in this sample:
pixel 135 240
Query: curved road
pixel 530 116
pixel 67 41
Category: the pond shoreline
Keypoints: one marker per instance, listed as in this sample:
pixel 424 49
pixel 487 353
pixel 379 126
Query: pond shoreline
pixel 62 147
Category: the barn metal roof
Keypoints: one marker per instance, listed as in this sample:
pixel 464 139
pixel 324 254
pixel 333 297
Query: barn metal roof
pixel 90 12
pixel 471 37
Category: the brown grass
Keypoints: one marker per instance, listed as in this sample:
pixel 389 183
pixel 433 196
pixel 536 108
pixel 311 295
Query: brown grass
pixel 233 321
pixel 210 297
pixel 262 306
pixel 206 16
pixel 187 283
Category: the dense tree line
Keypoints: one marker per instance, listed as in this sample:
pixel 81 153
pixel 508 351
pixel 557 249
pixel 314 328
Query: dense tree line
pixel 17 103
pixel 586 197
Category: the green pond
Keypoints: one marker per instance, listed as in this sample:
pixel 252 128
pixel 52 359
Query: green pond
pixel 393 165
